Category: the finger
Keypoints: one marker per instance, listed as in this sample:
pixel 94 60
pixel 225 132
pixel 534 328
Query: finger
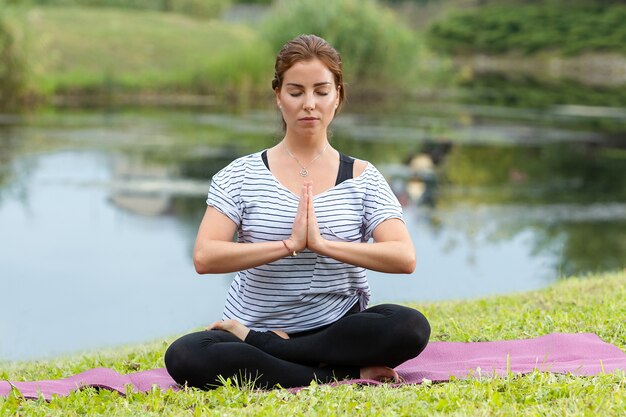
pixel 216 325
pixel 302 204
pixel 310 208
pixel 313 228
pixel 299 227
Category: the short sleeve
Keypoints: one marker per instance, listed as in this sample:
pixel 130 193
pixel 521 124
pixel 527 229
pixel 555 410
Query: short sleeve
pixel 225 192
pixel 380 203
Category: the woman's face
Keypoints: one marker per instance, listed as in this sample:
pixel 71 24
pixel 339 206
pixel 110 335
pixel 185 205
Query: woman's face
pixel 308 97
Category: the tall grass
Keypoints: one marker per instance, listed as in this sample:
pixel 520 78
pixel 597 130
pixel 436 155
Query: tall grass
pixel 109 51
pixel 15 74
pixel 103 53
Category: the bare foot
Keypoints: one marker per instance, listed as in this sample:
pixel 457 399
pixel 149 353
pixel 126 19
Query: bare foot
pixel 380 373
pixel 231 326
pixel 281 334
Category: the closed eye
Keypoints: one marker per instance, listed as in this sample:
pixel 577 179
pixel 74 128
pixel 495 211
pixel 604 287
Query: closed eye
pixel 298 93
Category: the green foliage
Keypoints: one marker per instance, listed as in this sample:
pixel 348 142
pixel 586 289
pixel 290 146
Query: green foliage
pixel 133 47
pixel 109 51
pixel 376 48
pixel 198 8
pixel 418 2
pixel 500 90
pixel 260 2
pixel 206 9
pixel 14 70
pixel 237 72
pixel 531 28
pixel 551 172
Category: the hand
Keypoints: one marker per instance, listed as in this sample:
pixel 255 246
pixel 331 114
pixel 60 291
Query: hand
pixel 298 239
pixel 230 326
pixel 314 240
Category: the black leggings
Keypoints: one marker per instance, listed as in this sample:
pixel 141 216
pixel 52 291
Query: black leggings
pixel 385 334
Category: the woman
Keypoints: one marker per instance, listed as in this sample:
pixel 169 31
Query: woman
pixel 304 214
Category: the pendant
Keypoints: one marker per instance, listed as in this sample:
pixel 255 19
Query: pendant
pixel 304 172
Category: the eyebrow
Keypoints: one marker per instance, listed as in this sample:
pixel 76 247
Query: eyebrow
pixel 314 85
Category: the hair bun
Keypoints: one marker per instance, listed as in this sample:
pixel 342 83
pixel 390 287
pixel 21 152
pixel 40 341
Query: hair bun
pixel 275 82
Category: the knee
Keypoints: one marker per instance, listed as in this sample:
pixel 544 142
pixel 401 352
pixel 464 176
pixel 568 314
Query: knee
pixel 187 359
pixel 418 332
pixel 177 357
pixel 413 331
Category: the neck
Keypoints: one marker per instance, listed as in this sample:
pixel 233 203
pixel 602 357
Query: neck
pixel 305 145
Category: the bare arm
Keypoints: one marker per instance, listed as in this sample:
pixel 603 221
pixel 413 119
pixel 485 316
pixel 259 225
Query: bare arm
pixel 392 250
pixel 215 252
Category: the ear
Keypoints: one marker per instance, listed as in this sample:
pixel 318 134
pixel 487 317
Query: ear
pixel 277 95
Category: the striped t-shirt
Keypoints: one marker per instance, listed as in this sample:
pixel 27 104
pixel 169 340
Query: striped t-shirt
pixel 307 291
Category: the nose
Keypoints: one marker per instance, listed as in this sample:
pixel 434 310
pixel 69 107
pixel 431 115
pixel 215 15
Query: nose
pixel 309 102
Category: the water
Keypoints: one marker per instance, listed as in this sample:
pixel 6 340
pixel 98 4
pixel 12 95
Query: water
pixel 98 215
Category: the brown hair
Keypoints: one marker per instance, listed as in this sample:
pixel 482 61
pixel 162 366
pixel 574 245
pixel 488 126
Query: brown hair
pixel 305 48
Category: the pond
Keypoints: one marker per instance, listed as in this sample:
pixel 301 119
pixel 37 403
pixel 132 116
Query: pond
pixel 99 211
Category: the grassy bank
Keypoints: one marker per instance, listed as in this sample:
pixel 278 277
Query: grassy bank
pixel 83 55
pixel 108 51
pixel 593 304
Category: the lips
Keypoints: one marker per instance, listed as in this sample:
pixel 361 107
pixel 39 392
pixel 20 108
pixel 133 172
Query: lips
pixel 308 119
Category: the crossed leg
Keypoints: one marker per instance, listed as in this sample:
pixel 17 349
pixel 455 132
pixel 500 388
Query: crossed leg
pixel 363 344
pixel 199 359
pixel 385 334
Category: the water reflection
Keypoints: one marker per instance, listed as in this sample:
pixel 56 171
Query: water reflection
pixel 415 182
pixel 78 272
pixel 531 91
pixel 100 234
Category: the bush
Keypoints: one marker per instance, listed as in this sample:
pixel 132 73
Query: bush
pixel 13 68
pixel 242 72
pixel 528 29
pixel 376 48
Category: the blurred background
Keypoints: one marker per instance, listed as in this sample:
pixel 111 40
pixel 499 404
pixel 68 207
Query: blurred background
pixel 501 126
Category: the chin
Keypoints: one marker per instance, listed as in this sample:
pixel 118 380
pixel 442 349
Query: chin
pixel 308 130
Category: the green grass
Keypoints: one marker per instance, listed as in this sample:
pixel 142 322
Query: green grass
pixel 591 304
pixel 98 53
pixel 99 50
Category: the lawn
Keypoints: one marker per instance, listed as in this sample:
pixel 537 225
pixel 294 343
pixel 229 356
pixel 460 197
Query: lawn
pixel 82 49
pixel 587 304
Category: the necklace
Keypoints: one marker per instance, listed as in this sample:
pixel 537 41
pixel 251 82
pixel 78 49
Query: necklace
pixel 304 172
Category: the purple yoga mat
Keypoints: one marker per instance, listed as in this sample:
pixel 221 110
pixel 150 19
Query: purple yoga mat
pixel 581 354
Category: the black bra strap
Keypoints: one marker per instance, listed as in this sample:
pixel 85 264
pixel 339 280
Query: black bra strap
pixel 346 167
pixel 264 157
